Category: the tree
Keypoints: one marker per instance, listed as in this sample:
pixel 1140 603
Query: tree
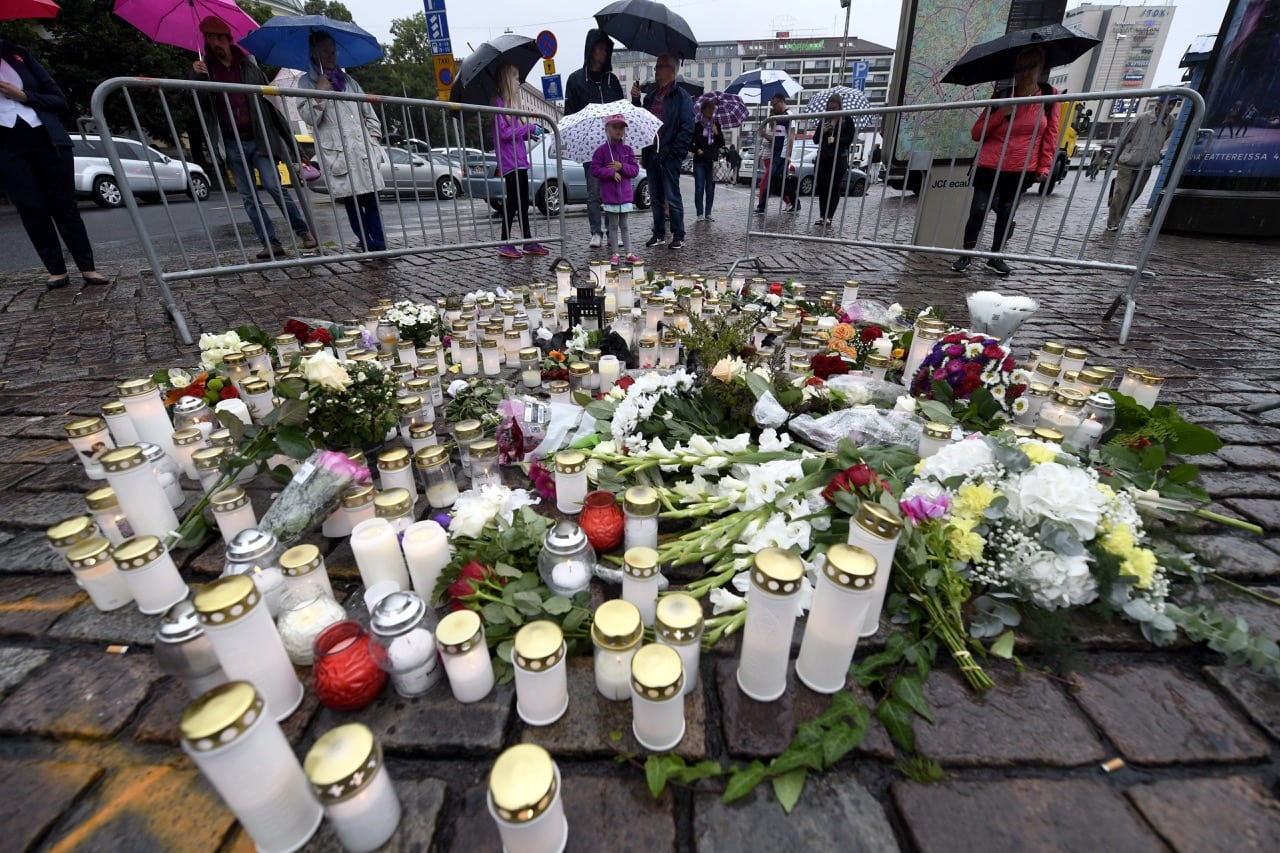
pixel 407 71
pixel 332 9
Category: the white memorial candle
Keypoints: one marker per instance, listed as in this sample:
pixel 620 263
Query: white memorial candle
pixel 771 618
pixel 95 571
pixel 542 687
pixel 875 530
pixel 350 780
pixel 460 636
pixel 657 697
pixel 678 623
pixel 426 552
pixel 616 632
pixel 840 602
pixel 610 371
pixel 140 494
pixel 377 553
pixel 524 801
pixel 90 438
pixel 142 401
pixel 150 573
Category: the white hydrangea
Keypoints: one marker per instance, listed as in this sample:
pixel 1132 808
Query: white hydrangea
pixel 958 459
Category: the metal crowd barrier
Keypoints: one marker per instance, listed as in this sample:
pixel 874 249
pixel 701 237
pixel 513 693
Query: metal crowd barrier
pixel 443 192
pixel 1064 226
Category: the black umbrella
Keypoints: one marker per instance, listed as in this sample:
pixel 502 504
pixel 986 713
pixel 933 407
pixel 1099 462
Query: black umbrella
pixel 994 60
pixel 648 27
pixel 478 77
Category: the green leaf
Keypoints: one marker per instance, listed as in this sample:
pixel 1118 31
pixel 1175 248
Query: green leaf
pixel 1003 646
pixel 895 716
pixel 281 474
pixel 293 442
pixel 1180 474
pixel 935 410
pixel 655 773
pixel 743 781
pixel 493 614
pixel 557 604
pixel 616 735
pixel 529 603
pixel 582 398
pixel 513 616
pixel 1152 457
pixel 909 688
pixel 232 424
pixel 757 384
pixel 841 739
pixel 601 410
pixel 504 571
pixel 574 620
pixel 1193 439
pixel 787 788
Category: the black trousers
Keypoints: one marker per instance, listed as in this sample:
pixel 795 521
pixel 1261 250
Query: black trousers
pixel 830 177
pixel 516 202
pixel 999 189
pixel 40 182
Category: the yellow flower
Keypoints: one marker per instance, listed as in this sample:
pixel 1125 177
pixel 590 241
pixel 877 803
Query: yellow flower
pixel 1119 541
pixel 1039 453
pixel 973 498
pixel 1142 565
pixel 965 544
pixel 898 353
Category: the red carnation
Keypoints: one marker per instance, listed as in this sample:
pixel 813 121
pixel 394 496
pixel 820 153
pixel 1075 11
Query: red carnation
pixel 320 336
pixel 1008 364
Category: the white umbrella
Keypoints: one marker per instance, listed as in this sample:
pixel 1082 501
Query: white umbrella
pixel 583 132
pixel 759 85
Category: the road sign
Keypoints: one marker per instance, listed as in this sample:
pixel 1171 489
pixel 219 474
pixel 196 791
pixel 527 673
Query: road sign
pixel 551 89
pixel 859 83
pixel 547 44
pixel 430 6
pixel 445 71
pixel 548 67
pixel 440 47
pixel 858 79
pixel 437 26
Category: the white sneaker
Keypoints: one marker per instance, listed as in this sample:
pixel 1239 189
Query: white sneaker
pixel 595 241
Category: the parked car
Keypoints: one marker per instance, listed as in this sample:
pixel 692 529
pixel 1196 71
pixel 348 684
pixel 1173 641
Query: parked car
pixel 547 188
pixel 95 178
pixel 403 172
pixel 802 167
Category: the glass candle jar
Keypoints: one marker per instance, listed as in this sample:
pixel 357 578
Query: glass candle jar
pixel 610 372
pixel 640 577
pixel 657 697
pixel 186 442
pixel 286 347
pixel 438 484
pixel 640 504
pixel 591 380
pixel 559 390
pixel 1036 396
pixel 357 505
pixel 422 435
pixel 122 430
pixel 150 573
pixel 1063 412
pixel 876 365
pixel 1050 353
pixel 233 512
pixel 460 636
pixel 484 464
pixel 841 599
pixel 678 623
pixel 465 433
pixel 243 753
pixel 107 514
pixel 616 632
pixel 525 803
pixel 928 331
pixel 396 506
pixel 771 616
pixel 468 357
pixel 669 356
pixel 403 644
pixel 303 567
pixel 69 532
pixel 1099 416
pixel 256 553
pixel 207 462
pixel 579 377
pixel 602 520
pixel 345 676
pixel 166 472
pixel 90 438
pixel 377 552
pixel 396 472
pixel 542 687
pixel 258 397
pixel 491 356
pixel 183 651
pixel 571 481
pixel 350 780
pixel 875 530
pixel 567 560
pixel 1073 358
pixel 530 367
pixel 426 552
pixel 141 398
pixel 95 573
pixel 246 642
pixel 304 613
pixel 1147 389
pixel 933 438
pixel 141 495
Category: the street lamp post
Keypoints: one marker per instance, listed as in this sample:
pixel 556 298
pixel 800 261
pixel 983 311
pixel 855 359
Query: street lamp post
pixel 1112 84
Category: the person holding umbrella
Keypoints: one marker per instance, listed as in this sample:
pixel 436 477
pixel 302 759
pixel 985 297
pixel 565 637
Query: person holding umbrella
pixel 662 160
pixel 37 169
pixel 348 158
pixel 251 136
pixel 593 83
pixel 835 135
pixel 511 135
pixel 1015 142
pixel 708 139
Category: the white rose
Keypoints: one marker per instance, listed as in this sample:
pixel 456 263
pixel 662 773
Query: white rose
pixel 457 386
pixel 324 370
pixel 905 404
pixel 471 512
pixel 1054 491
pixel 728 369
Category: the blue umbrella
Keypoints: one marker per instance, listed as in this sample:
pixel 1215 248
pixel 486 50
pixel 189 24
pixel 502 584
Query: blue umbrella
pixel 285 40
pixel 759 85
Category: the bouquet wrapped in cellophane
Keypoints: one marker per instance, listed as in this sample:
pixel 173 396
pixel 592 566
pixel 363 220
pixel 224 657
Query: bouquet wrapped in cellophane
pixel 311 494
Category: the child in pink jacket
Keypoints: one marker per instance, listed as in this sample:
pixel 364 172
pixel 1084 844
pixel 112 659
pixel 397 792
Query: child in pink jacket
pixel 614 164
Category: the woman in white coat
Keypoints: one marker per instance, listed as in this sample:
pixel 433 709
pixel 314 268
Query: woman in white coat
pixel 349 160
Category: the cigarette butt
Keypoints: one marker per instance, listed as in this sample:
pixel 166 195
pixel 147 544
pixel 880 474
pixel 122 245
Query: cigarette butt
pixel 117 649
pixel 1112 765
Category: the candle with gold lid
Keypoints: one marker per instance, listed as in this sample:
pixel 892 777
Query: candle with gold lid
pixel 465 433
pixel 525 803
pixel 150 573
pixel 571 481
pixel 231 737
pixel 460 636
pixel 377 552
pixel 141 398
pixel 1037 395
pixel 186 442
pixel 678 623
pixel 484 464
pixel 616 632
pixel 286 348
pixel 122 429
pixel 559 390
pixel 395 470
pixel 1064 411
pixel 538 658
pixel 771 615
pixel 108 515
pixel 438 483
pixel 302 566
pixel 933 438
pixel 95 571
pixel 928 331
pixel 90 438
pixel 1073 358
pixel 657 697
pixel 841 598
pixel 1047 372
pixel 876 365
pixel 233 512
pixel 640 578
pixel 1049 434
pixel 139 492
pixel 530 367
pixel 258 397
pixel 640 503
pixel 1050 353
pixel 350 779
pixel 1147 389
pixel 396 506
pixel 69 532
pixel 207 461
pixel 876 530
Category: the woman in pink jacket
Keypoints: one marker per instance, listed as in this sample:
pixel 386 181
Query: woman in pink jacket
pixel 1016 143
pixel 511 135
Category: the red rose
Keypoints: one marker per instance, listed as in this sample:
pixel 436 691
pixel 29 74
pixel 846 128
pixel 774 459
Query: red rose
pixel 320 336
pixel 814 382
pixel 859 479
pixel 298 329
pixel 826 366
pixel 466 585
pixel 228 392
pixel 871 333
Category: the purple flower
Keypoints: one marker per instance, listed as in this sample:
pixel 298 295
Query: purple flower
pixel 924 507
pixel 442 519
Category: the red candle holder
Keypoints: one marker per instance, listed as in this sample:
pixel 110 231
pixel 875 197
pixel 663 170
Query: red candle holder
pixel 602 520
pixel 345 676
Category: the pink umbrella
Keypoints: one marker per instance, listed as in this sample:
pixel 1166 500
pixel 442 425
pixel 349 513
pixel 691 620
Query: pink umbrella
pixel 177 22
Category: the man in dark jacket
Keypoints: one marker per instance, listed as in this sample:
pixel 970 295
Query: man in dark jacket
pixel 593 83
pixel 662 161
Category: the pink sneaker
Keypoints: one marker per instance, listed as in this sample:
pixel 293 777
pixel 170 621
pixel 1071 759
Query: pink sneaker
pixel 614 259
pixel 633 258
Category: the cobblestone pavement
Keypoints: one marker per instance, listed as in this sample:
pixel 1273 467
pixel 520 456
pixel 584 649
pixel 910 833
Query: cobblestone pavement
pixel 88 754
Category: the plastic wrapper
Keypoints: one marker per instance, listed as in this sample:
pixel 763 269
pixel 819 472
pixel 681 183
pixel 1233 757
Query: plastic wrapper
pixel 863 425
pixel 568 423
pixel 608 574
pixel 311 495
pixel 862 389
pixel 873 311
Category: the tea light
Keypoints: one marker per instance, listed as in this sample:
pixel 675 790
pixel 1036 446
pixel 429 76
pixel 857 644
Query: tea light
pixel 657 697
pixel 141 400
pixel 140 494
pixel 640 577
pixel 403 644
pixel 90 438
pixel 232 511
pixel 122 430
pixel 302 567
pixel 186 442
pixel 491 356
pixel 610 371
pixel 377 553
pixel 542 687
pixel 524 801
pixel 433 466
pixel 108 516
pixel 350 780
pixel 875 530
pixel 183 651
pixel 771 616
pixel 246 642
pixel 616 632
pixel 426 552
pixel 95 573
pixel 840 602
pixel 678 623
pixel 243 753
pixel 571 481
pixel 304 612
pixel 150 574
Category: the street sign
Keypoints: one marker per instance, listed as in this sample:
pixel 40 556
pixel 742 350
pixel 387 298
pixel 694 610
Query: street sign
pixel 551 89
pixel 548 67
pixel 859 78
pixel 859 83
pixel 437 26
pixel 547 44
pixel 445 70
pixel 430 6
pixel 440 47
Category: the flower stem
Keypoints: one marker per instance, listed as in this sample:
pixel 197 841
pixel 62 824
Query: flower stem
pixel 1227 520
pixel 942 619
pixel 1246 590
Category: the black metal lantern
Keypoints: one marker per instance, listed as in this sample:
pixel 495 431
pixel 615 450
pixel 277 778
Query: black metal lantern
pixel 586 309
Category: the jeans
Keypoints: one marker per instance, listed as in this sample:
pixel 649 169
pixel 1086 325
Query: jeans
pixel 593 202
pixel 366 220
pixel 704 186
pixel 664 192
pixel 242 170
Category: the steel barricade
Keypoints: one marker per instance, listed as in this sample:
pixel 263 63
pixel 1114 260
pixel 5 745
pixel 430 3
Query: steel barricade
pixel 442 190
pixel 1049 227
